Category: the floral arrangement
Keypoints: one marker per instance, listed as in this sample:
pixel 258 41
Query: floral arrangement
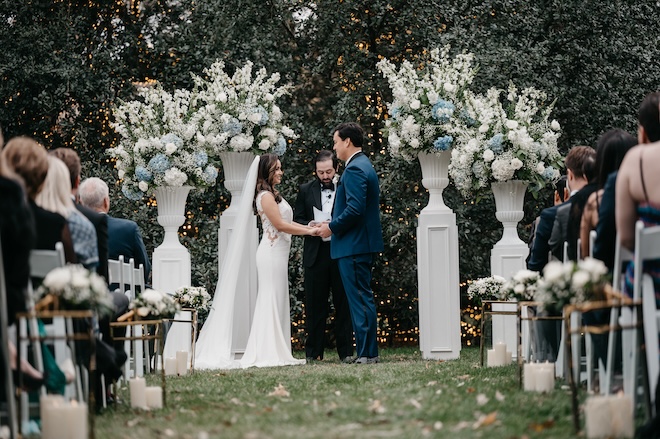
pixel 571 283
pixel 516 140
pixel 486 288
pixel 154 304
pixel 193 297
pixel 522 286
pixel 239 113
pixel 427 102
pixel 159 143
pixel 77 288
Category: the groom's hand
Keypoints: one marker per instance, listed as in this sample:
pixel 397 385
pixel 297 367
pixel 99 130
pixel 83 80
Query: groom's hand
pixel 324 231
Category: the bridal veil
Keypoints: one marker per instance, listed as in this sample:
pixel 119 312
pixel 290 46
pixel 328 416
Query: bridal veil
pixel 213 349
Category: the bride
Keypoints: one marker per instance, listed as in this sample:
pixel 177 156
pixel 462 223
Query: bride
pixel 269 342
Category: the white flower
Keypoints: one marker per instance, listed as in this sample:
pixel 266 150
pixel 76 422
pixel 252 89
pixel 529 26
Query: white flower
pixel 415 104
pixel 174 177
pixel 580 279
pixel 449 87
pixel 553 271
pixel 511 124
pixel 432 96
pixel 264 144
pixel 540 167
pixel 555 125
pixel 516 163
pixel 121 174
pixel 143 186
pixel 221 97
pixel 488 155
pixel 484 128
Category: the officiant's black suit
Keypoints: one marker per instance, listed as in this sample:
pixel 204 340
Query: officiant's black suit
pixel 321 276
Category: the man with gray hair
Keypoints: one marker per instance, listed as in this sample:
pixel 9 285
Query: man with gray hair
pixel 124 236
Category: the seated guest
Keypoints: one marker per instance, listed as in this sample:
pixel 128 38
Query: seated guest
pixel 56 197
pixel 124 238
pixel 612 147
pixel 72 161
pixel 29 160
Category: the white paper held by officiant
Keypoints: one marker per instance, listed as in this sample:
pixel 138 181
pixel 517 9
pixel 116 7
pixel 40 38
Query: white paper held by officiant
pixel 321 217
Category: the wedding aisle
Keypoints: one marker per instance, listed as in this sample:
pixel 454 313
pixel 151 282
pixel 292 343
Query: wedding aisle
pixel 402 397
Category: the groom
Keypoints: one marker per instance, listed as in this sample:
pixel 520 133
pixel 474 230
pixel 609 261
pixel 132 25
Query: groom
pixel 356 235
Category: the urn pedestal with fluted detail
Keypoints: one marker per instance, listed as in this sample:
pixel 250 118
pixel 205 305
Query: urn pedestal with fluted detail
pixel 235 166
pixel 437 265
pixel 171 260
pixel 508 256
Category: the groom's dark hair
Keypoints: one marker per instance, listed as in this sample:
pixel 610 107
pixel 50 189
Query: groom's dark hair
pixel 352 131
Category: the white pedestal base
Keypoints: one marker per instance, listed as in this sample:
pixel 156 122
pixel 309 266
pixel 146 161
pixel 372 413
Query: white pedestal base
pixel 171 268
pixel 439 295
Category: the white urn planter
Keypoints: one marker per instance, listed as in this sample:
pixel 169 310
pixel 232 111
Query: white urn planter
pixel 171 260
pixel 437 265
pixel 235 167
pixel 508 255
pixel 435 177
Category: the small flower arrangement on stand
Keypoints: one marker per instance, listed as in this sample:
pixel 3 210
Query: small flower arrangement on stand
pixel 196 298
pixel 239 113
pixel 511 141
pixel 154 305
pixel 487 288
pixel 571 283
pixel 159 144
pixel 76 288
pixel 427 102
pixel 522 286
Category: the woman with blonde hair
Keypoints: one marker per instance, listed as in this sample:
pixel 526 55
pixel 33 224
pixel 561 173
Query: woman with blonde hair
pixel 56 197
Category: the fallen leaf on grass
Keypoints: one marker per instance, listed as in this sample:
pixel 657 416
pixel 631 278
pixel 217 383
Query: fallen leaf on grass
pixel 377 407
pixel 133 422
pixel 536 427
pixel 482 399
pixel 415 403
pixel 438 392
pixel 338 392
pixel 431 383
pixel 463 377
pixel 461 426
pixel 499 396
pixel 235 401
pixel 437 425
pixel 280 390
pixel 471 390
pixel 485 420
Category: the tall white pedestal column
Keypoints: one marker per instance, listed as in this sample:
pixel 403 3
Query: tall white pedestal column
pixel 171 260
pixel 437 266
pixel 508 257
pixel 235 166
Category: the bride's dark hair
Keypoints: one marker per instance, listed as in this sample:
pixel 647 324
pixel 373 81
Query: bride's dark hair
pixel 267 164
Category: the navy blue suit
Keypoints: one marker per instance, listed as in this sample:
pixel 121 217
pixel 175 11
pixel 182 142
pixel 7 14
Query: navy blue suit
pixel 125 240
pixel 356 235
pixel 538 256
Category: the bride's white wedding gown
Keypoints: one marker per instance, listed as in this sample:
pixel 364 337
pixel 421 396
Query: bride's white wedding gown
pixel 269 342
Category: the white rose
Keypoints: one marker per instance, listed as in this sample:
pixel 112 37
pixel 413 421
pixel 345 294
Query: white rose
pixel 222 97
pixel 449 87
pixel 432 97
pixel 143 311
pixel 483 128
pixel 170 148
pixel 415 104
pixel 580 279
pixel 143 186
pixel 275 113
pixel 516 163
pixel 555 125
pixel 264 144
pixel 540 168
pixel 488 155
pixel 414 143
pixel 288 132
pixel 121 174
pixel 242 116
pixel 553 271
pixel 57 279
pixel 519 289
pixel 269 97
pixel 255 118
pixel 511 124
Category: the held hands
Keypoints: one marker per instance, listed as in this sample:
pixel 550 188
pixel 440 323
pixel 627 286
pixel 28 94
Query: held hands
pixel 319 229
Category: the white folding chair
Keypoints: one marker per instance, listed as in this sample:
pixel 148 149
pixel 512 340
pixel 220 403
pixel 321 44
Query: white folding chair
pixel 10 396
pixel 647 248
pixel 651 340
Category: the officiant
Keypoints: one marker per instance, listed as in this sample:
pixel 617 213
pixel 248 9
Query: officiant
pixel 314 204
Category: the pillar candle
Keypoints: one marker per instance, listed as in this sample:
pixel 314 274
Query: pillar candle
pixel 500 353
pixel 621 415
pixel 182 362
pixel 509 358
pixel 154 395
pixel 529 377
pixel 49 421
pixel 138 388
pixel 170 366
pixel 76 418
pixel 544 378
pixel 597 417
pixel 492 359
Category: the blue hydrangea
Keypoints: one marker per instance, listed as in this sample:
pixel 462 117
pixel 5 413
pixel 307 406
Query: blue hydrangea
pixel 280 146
pixel 131 193
pixel 143 174
pixel 469 120
pixel 172 138
pixel 232 127
pixel 495 143
pixel 201 158
pixel 159 164
pixel 396 111
pixel 549 173
pixel 264 115
pixel 443 143
pixel 210 174
pixel 443 111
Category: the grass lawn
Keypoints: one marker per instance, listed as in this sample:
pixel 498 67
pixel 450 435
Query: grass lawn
pixel 404 396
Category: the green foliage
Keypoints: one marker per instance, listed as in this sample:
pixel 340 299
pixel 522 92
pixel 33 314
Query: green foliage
pixel 597 63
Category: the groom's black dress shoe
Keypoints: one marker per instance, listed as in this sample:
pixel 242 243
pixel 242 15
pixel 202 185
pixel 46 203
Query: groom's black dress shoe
pixel 367 360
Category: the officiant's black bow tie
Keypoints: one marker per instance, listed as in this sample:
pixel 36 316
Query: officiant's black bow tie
pixel 329 186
